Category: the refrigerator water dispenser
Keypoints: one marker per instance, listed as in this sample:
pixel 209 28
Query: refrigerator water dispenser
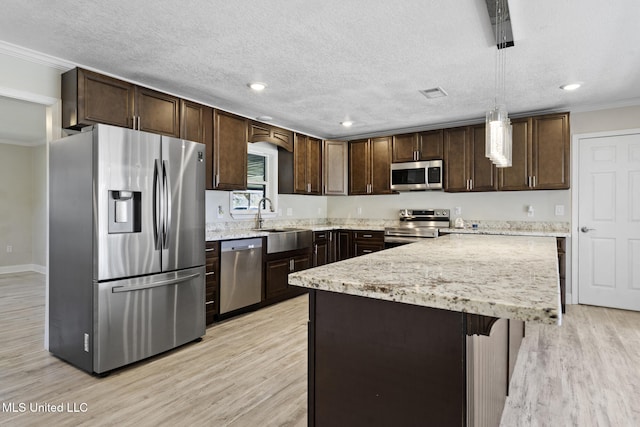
pixel 124 211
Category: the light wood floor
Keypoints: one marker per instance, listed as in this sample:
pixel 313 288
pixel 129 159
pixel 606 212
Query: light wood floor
pixel 251 371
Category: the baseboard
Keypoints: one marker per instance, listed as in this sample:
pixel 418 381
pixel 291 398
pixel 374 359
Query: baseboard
pixel 23 268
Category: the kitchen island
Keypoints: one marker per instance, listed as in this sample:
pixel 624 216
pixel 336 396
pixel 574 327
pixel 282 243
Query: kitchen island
pixel 426 333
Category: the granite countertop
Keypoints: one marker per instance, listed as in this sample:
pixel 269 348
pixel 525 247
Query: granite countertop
pixel 248 232
pixel 507 232
pixel 512 277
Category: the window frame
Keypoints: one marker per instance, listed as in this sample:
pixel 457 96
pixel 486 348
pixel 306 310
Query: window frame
pixel 270 153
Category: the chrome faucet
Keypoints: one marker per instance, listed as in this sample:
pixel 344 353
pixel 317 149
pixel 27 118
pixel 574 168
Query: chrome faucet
pixel 259 219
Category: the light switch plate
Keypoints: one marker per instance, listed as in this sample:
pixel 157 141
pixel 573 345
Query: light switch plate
pixel 559 210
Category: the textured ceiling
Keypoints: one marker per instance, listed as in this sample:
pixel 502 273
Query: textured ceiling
pixel 326 61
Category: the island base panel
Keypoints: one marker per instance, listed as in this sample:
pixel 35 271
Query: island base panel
pixel 381 363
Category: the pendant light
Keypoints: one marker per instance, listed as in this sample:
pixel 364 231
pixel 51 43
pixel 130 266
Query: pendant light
pixel 498 139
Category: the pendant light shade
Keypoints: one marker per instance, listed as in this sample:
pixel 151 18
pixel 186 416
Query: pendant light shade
pixel 498 139
pixel 498 126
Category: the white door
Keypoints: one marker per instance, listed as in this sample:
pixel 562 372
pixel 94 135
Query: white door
pixel 609 221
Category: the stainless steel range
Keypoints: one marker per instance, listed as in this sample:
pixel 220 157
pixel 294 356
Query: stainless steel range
pixel 416 224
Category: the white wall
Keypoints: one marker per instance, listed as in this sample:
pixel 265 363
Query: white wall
pixel 289 207
pixel 27 80
pixel 604 120
pixel 16 207
pixel 500 205
pixel 40 215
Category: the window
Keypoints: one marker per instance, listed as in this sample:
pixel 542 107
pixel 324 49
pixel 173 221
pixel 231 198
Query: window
pixel 262 181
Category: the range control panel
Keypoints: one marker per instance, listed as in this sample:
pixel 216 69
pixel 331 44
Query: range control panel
pixel 424 214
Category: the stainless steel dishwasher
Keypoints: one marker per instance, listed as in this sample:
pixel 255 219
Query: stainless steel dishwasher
pixel 240 274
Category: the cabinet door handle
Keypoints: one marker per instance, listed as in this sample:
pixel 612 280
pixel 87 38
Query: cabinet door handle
pixel 291 264
pixel 367 251
pixel 470 184
pixel 367 236
pixel 534 181
pixel 315 249
pixel 309 188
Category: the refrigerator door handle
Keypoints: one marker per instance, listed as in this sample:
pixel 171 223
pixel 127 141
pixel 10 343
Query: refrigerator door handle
pixel 167 204
pixel 177 281
pixel 157 205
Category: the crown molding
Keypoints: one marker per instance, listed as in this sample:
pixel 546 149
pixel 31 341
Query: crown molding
pixel 34 56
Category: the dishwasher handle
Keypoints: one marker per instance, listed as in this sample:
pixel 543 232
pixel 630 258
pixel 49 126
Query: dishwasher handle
pixel 240 245
pixel 241 248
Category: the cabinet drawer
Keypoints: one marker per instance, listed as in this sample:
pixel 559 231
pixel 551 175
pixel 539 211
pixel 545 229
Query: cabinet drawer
pixel 364 248
pixel 368 235
pixel 212 249
pixel 320 235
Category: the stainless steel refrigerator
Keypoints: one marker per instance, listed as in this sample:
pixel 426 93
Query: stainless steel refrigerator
pixel 126 246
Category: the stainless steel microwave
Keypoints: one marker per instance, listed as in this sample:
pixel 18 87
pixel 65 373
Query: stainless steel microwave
pixel 415 176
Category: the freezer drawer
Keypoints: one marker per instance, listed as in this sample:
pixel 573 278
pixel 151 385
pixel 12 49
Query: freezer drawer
pixel 141 317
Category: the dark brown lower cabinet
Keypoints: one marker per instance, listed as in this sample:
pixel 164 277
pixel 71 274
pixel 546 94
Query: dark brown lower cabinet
pixel 276 273
pixel 382 363
pixel 212 281
pixel 322 241
pixel 366 242
pixel 562 269
pixel 343 245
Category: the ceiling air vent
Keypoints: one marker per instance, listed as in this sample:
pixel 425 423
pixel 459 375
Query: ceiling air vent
pixel 436 92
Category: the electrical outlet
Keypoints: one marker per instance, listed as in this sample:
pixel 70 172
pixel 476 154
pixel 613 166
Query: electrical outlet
pixel 289 211
pixel 530 211
pixel 359 210
pixel 559 210
pixel 9 248
pixel 220 212
pixel 457 210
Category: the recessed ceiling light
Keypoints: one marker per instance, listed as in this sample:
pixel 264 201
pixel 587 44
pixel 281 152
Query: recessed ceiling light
pixel 257 86
pixel 347 123
pixel 570 86
pixel 264 118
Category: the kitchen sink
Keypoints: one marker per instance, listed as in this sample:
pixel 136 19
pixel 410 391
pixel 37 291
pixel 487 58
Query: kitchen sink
pixel 287 239
pixel 279 230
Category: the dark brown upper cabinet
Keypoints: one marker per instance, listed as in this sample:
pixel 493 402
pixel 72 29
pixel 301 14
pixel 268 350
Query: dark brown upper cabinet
pixel 230 139
pixel 550 142
pixel 517 177
pixel 307 154
pixel 196 124
pixel 370 166
pixel 89 98
pixel 261 132
pixel 540 154
pixel 411 147
pixel 465 166
pixel 156 112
